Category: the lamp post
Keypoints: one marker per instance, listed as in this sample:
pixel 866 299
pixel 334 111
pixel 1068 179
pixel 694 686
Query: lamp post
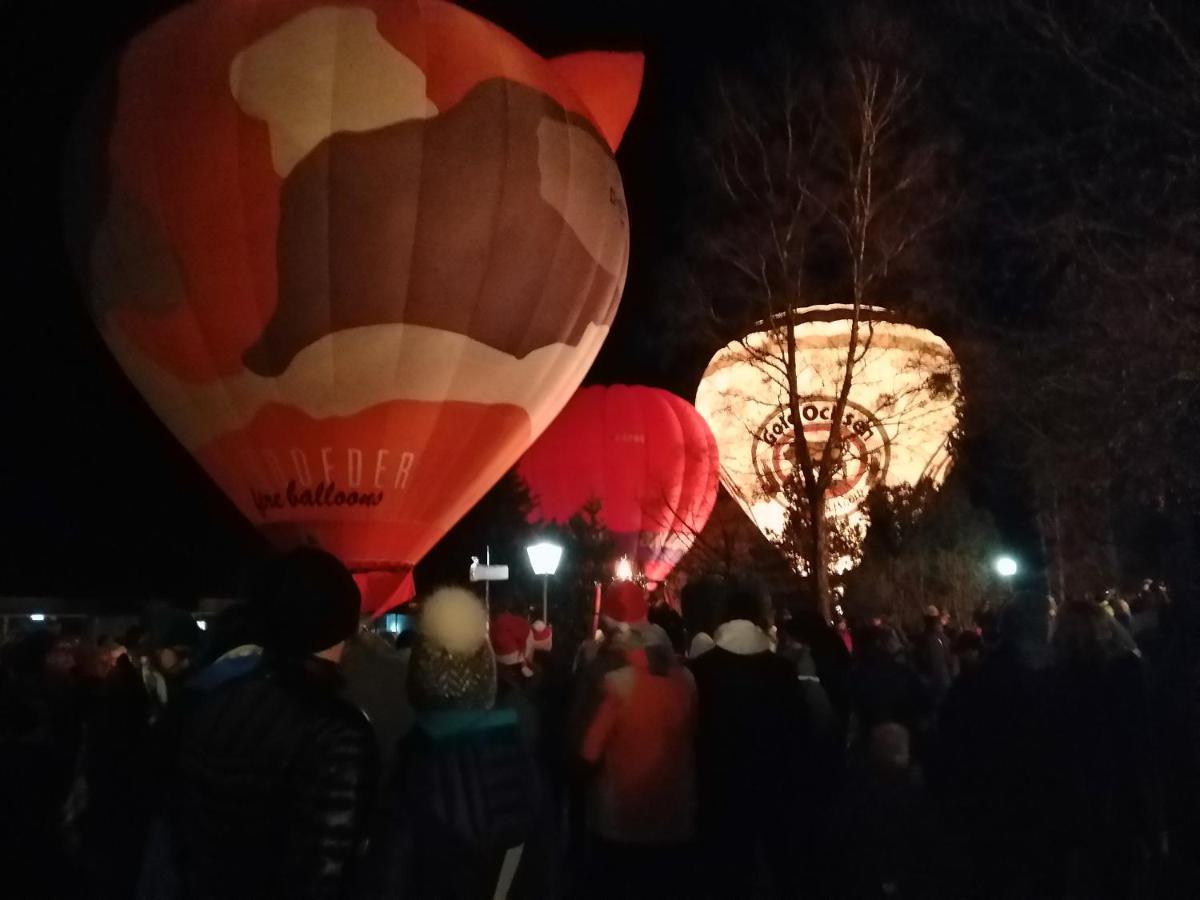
pixel 624 569
pixel 543 559
pixel 1005 566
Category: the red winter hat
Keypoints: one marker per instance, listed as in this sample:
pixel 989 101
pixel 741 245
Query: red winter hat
pixel 625 601
pixel 541 637
pixel 509 634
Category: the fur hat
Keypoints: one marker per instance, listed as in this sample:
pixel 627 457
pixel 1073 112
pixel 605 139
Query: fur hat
pixel 625 602
pixel 509 635
pixel 541 637
pixel 452 666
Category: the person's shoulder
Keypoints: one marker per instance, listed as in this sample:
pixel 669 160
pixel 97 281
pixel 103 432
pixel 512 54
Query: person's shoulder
pixel 621 681
pixel 706 663
pixel 777 666
pixel 342 714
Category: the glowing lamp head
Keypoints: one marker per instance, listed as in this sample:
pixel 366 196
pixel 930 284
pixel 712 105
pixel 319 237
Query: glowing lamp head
pixel 544 557
pixel 624 569
pixel 1005 566
pixel 37 617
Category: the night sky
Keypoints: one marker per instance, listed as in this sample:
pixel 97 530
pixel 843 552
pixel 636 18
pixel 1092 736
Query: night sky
pixel 99 501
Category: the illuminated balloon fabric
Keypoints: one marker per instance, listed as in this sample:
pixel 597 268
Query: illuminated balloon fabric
pixel 645 454
pixel 356 257
pixel 902 409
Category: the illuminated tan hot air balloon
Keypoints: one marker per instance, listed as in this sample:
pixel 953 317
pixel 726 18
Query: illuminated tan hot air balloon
pixel 902 409
pixel 356 256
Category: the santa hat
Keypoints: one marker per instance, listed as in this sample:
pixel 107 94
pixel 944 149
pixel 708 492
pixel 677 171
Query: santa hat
pixel 452 666
pixel 541 637
pixel 509 635
pixel 625 602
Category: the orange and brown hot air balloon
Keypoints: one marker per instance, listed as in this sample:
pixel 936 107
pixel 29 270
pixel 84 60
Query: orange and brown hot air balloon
pixel 355 256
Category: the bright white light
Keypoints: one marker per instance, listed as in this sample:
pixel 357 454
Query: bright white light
pixel 544 557
pixel 624 569
pixel 1006 566
pixel 202 625
pixel 37 617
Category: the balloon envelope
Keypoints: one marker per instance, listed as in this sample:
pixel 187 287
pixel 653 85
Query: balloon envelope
pixel 900 415
pixel 645 454
pixel 356 257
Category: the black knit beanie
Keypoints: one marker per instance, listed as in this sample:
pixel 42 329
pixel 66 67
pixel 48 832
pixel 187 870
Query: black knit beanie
pixel 309 602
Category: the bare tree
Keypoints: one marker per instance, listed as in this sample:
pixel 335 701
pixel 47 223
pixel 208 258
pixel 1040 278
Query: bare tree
pixel 824 185
pixel 1092 163
pixel 925 546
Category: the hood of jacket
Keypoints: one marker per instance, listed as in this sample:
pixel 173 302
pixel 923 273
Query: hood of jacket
pixel 742 637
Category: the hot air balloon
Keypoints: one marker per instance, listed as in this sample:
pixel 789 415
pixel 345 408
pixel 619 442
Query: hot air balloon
pixel 645 454
pixel 355 256
pixel 901 411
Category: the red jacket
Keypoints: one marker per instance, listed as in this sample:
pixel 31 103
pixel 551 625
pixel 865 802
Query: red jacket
pixel 641 738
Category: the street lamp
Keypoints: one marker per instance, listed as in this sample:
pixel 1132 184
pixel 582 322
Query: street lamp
pixel 543 559
pixel 1005 566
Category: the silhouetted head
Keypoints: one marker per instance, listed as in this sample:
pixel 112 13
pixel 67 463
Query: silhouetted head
pixel 746 598
pixel 237 625
pixel 309 603
pixel 700 602
pixel 1084 635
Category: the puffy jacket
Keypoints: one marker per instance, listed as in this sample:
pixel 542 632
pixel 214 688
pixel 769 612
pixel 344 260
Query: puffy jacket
pixel 274 776
pixel 464 792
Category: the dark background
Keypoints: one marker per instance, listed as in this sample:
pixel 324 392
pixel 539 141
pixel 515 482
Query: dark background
pixel 98 500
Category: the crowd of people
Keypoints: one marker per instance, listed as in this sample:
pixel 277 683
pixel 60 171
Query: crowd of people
pixel 731 751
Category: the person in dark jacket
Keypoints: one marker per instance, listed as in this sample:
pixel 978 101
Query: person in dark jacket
pixel 274 771
pixel 465 794
pixel 883 687
pixel 886 835
pixel 116 762
pixel 752 744
pixel 933 658
pixel 1103 808
pixel 988 768
pixel 829 654
pixel 1176 692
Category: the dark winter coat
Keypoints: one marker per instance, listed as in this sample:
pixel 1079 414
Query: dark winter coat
pixel 884 689
pixel 753 750
pixel 465 792
pixel 1103 809
pixel 989 772
pixel 274 777
pixel 831 657
pixel 934 661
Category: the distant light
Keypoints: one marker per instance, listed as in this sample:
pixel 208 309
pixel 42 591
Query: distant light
pixel 624 569
pixel 202 625
pixel 1006 566
pixel 37 617
pixel 544 557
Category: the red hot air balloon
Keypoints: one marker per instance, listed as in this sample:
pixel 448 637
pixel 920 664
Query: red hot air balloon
pixel 645 454
pixel 355 256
